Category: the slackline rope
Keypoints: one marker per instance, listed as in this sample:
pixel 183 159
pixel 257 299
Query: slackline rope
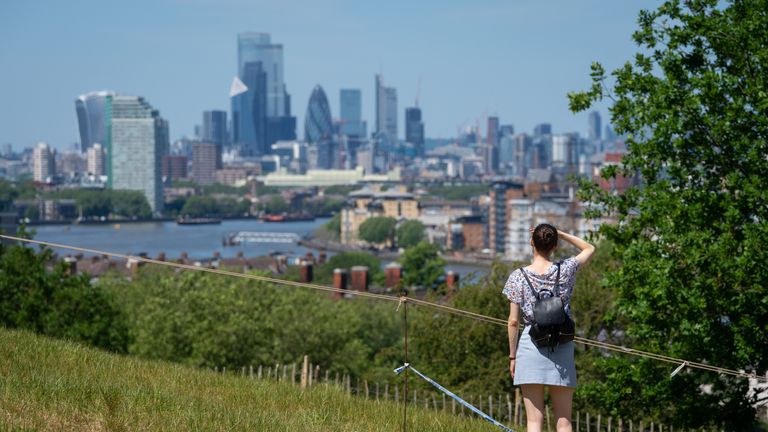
pixel 396 299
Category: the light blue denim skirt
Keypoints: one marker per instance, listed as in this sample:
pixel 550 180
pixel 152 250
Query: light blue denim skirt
pixel 540 366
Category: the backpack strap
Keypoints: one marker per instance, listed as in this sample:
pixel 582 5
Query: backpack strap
pixel 557 281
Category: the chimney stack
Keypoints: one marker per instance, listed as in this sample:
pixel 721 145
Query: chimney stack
pixel 360 278
pixel 340 282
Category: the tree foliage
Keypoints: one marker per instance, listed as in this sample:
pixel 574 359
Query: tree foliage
pixel 422 266
pixel 346 260
pixel 54 303
pixel 691 239
pixel 410 233
pixel 378 229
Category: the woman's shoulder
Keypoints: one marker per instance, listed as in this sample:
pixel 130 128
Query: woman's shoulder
pixel 569 266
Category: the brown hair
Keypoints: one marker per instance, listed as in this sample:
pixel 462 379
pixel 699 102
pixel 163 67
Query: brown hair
pixel 545 238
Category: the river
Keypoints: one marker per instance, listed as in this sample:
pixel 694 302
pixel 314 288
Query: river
pixel 198 241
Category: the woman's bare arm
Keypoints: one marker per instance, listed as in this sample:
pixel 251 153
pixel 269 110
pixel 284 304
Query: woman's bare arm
pixel 586 249
pixel 513 326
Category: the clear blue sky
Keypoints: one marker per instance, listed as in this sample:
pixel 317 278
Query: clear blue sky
pixel 513 58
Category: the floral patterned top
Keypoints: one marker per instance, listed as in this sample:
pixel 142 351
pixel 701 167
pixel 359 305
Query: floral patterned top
pixel 518 291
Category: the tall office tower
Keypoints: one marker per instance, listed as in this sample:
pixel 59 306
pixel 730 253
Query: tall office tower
pixel 43 163
pixel 215 127
pixel 386 110
pixel 205 157
pixel 506 129
pixel 261 115
pixel 542 129
pixel 137 141
pixel 595 127
pixel 95 160
pixel 492 134
pixel 91 118
pixel 318 127
pixel 491 148
pixel 564 151
pixel 351 109
pixel 414 129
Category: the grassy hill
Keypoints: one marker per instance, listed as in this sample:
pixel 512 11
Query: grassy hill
pixel 48 384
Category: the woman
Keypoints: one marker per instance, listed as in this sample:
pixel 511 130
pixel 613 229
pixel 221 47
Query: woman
pixel 534 368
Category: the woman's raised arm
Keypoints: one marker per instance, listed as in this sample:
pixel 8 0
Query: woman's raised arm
pixel 586 248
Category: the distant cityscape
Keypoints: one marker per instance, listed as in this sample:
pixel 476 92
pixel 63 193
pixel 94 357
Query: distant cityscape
pixel 125 146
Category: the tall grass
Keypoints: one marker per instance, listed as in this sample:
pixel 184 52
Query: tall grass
pixel 48 384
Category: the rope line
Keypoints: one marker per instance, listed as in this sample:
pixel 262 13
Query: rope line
pixel 396 299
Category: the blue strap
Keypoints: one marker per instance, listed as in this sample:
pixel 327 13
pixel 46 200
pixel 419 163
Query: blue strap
pixel 451 394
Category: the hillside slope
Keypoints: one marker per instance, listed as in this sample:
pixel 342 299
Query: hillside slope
pixel 48 384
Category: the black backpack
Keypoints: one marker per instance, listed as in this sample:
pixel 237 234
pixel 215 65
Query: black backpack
pixel 551 326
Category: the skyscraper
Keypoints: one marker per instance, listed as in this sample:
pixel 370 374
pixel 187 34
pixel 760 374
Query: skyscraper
pixel 262 114
pixel 414 129
pixel 215 127
pixel 351 111
pixel 91 121
pixel 137 140
pixel 542 129
pixel 386 110
pixel 491 153
pixel 318 127
pixel 595 127
pixel 43 163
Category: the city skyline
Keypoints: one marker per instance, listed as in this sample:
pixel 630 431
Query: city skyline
pixel 500 63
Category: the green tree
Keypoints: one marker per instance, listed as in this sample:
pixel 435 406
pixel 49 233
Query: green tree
pixel 410 233
pixel 333 226
pixel 422 266
pixel 130 204
pixel 378 229
pixel 200 206
pixel 691 238
pixel 346 260
pixel 54 303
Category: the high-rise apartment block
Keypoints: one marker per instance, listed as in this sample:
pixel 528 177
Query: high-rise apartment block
pixel 414 129
pixel 91 118
pixel 205 157
pixel 95 160
pixel 137 141
pixel 386 110
pixel 175 167
pixel 499 217
pixel 43 163
pixel 261 115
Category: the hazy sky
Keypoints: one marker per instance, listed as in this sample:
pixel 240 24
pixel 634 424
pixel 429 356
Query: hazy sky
pixel 514 58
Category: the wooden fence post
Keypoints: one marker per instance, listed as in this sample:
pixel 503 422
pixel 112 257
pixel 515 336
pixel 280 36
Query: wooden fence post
pixel 444 407
pixel 631 426
pixel 386 391
pixel 578 420
pixel 250 372
pixel 434 402
pixel 490 405
pixel 377 391
pixel 599 421
pixel 304 367
pixel 517 406
pixel 397 394
pixel 509 408
pixel 641 427
pixel 366 388
pixel 453 406
pixel 327 371
pixel 651 425
pixel 588 426
pixel 293 374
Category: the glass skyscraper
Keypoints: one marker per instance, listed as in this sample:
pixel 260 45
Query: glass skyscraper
pixel 137 140
pixel 414 129
pixel 386 110
pixel 215 127
pixel 91 124
pixel 351 111
pixel 318 127
pixel 262 114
